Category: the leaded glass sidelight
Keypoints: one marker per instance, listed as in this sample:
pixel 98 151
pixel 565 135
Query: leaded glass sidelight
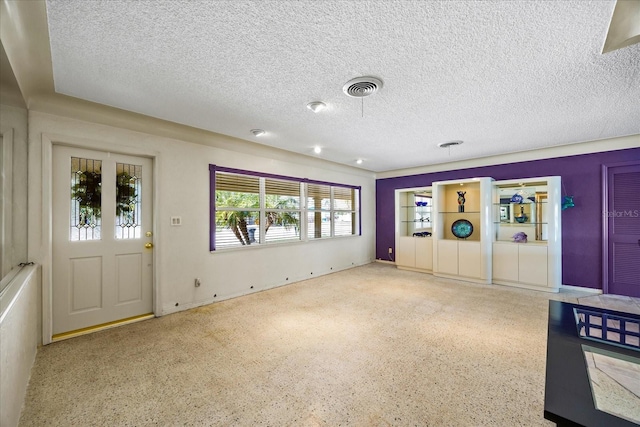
pixel 128 198
pixel 86 199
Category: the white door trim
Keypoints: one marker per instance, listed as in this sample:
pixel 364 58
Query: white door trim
pixel 48 141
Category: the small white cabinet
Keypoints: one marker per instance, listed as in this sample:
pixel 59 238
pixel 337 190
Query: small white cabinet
pixel 520 264
pixel 414 253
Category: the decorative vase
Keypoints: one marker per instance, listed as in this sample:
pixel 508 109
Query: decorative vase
pixel 522 217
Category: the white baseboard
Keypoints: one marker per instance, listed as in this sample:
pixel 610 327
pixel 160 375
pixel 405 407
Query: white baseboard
pixel 581 289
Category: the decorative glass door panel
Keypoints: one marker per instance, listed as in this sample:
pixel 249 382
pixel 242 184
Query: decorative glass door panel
pixel 128 201
pixel 86 199
pixel 102 261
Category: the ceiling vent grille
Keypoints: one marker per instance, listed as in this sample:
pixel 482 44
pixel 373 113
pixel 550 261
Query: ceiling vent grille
pixel 362 86
pixel 449 144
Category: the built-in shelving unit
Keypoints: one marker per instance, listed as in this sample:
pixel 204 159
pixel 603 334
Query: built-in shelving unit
pixel 530 207
pixel 462 229
pixel 414 219
pixel 474 230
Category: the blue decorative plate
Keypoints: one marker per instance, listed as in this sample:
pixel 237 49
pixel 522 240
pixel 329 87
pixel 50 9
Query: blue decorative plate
pixel 517 198
pixel 462 228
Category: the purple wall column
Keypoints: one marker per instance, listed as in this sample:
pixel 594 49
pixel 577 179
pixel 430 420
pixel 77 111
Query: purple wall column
pixel 581 225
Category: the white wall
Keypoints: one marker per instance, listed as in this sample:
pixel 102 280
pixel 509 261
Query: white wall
pixel 19 330
pixel 13 128
pixel 20 324
pixel 182 189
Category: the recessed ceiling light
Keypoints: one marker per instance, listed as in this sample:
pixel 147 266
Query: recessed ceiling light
pixel 316 106
pixel 258 132
pixel 449 144
pixel 317 150
pixel 359 161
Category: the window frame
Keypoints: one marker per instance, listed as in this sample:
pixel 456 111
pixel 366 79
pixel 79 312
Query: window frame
pixel 303 208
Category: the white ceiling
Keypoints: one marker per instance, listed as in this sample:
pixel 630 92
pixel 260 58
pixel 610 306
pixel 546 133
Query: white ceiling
pixel 503 76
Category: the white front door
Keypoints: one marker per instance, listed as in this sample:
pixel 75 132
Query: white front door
pixel 102 241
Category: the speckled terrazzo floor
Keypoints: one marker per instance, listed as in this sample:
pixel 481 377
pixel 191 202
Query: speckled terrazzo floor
pixel 370 346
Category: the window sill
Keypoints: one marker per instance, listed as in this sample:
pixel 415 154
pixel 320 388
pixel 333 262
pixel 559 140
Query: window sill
pixel 282 244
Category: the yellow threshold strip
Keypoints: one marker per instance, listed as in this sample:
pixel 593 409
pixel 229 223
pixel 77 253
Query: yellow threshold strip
pixel 101 327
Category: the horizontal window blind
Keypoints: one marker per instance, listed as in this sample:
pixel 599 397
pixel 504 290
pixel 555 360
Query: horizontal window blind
pixel 251 208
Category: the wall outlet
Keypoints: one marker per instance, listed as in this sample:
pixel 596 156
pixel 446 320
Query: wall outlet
pixel 390 250
pixel 197 283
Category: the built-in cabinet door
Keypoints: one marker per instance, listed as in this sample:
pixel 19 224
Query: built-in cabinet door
pixel 469 259
pixel 448 256
pixel 406 252
pixel 532 264
pixel 505 262
pixel 424 253
pixel 521 263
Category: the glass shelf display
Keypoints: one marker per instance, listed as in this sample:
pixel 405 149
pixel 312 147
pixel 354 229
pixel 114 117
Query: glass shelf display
pixel 462 229
pixel 416 209
pixel 521 208
pixel 459 211
pixel 527 238
pixel 414 225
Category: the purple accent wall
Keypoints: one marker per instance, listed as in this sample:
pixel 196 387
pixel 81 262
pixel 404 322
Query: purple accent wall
pixel 581 225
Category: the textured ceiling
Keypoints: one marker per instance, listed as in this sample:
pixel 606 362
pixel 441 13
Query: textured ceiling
pixel 503 76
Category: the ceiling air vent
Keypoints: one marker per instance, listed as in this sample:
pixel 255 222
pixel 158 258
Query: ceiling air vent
pixel 362 86
pixel 449 144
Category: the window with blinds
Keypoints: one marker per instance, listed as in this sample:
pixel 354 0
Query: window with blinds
pixel 343 202
pixel 282 210
pixel 250 208
pixel 319 211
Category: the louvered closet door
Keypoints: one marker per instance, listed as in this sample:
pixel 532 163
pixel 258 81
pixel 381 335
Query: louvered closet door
pixel 624 230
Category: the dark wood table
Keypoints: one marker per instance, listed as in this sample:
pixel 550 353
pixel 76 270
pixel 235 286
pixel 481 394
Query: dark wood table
pixel 568 398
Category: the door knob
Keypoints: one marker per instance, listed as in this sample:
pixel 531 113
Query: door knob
pixel 148 245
